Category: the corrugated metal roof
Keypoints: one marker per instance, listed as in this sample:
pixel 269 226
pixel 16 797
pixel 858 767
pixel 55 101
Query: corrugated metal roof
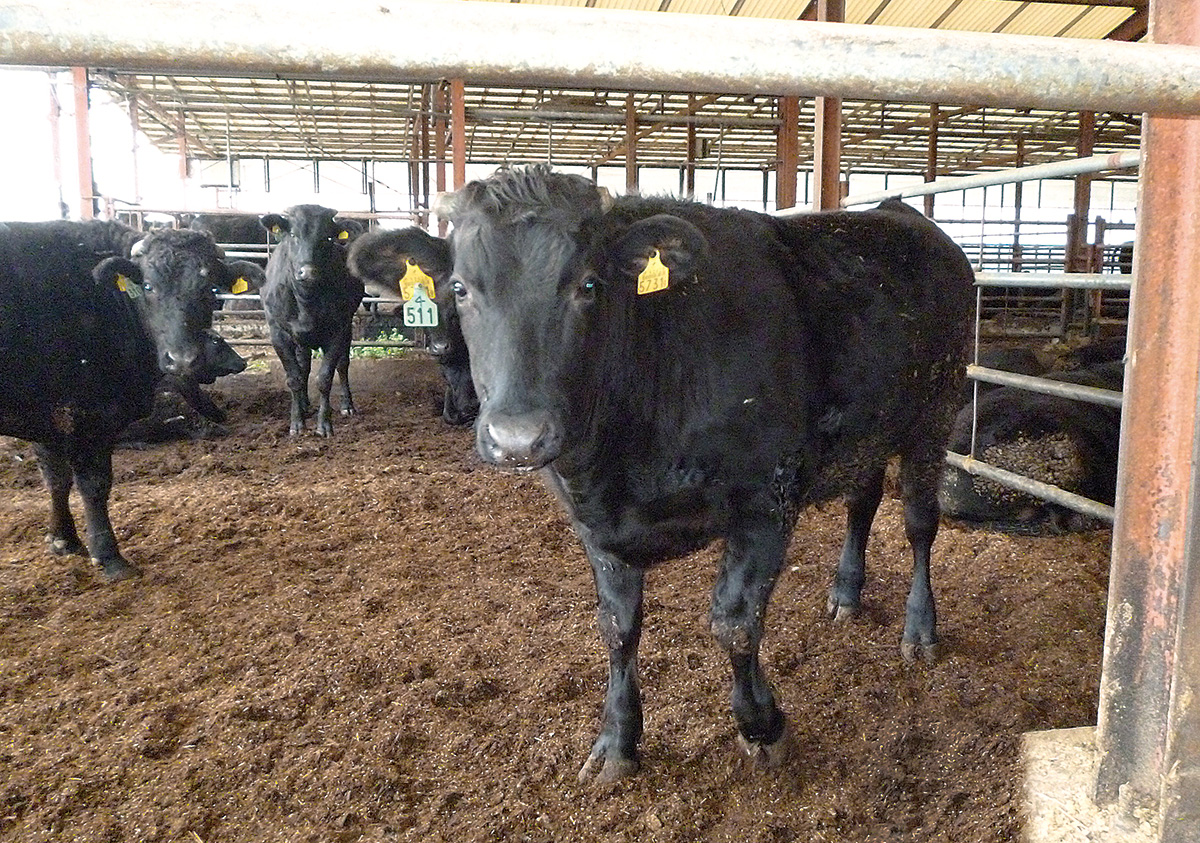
pixel 279 118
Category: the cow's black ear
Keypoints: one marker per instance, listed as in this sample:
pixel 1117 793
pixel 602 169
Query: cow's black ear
pixel 243 276
pixel 382 256
pixel 122 273
pixel 659 251
pixel 348 230
pixel 276 224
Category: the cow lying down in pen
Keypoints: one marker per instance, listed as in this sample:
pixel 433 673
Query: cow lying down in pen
pixel 680 374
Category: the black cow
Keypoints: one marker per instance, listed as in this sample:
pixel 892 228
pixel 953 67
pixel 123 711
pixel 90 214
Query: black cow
pixel 770 363
pixel 310 298
pixel 1061 441
pixel 381 259
pixel 90 319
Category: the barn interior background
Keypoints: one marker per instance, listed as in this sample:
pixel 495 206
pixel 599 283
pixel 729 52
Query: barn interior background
pixel 381 150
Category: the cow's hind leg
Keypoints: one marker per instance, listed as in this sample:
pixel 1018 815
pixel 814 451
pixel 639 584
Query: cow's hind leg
pixel 918 488
pixel 93 476
pixel 753 558
pixel 619 612
pixel 861 504
pixel 56 472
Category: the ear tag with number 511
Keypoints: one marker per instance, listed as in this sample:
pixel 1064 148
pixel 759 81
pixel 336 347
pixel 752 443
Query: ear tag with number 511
pixel 420 311
pixel 654 277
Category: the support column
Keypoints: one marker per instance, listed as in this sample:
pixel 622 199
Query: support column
pixel 631 167
pixel 787 159
pixel 935 121
pixel 1148 729
pixel 689 171
pixel 827 130
pixel 458 129
pixel 83 141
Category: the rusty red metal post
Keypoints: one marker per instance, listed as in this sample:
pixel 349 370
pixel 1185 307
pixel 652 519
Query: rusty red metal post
pixel 83 141
pixel 1149 724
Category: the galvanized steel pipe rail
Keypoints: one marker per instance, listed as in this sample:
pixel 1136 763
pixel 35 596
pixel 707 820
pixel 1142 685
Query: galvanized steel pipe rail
pixel 493 43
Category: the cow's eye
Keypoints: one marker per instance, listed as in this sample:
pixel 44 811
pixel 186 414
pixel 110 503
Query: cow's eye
pixel 588 285
pixel 459 288
pixel 148 287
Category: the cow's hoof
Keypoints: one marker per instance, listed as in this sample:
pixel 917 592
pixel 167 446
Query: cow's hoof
pixel 601 770
pixel 347 411
pixel 766 756
pixel 839 611
pixel 912 650
pixel 60 546
pixel 117 569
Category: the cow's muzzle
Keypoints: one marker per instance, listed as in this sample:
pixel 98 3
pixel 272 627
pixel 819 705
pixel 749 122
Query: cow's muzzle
pixel 529 440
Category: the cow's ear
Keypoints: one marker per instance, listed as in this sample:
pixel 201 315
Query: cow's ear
pixel 276 224
pixel 660 251
pixel 122 273
pixel 382 256
pixel 244 277
pixel 348 230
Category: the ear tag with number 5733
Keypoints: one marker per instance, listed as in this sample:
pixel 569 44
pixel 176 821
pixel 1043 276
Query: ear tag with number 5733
pixel 415 277
pixel 654 277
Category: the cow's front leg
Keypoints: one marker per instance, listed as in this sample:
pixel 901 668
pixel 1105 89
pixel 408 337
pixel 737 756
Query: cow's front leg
pixel 751 564
pixel 297 364
pixel 62 539
pixel 331 362
pixel 619 612
pixel 343 370
pixel 93 476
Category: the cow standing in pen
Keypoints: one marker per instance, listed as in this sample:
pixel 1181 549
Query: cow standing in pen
pixel 91 318
pixel 681 373
pixel 381 259
pixel 309 298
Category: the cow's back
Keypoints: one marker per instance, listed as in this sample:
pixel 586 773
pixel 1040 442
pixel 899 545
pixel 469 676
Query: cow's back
pixel 73 356
pixel 887 299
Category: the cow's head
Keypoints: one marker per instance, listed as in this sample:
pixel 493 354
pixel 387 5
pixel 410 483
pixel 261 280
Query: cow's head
pixel 382 260
pixel 546 285
pixel 173 278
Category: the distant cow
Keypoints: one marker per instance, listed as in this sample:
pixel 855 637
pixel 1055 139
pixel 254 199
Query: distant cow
pixel 310 298
pixel 1067 443
pixel 381 259
pixel 682 373
pixel 90 319
pixel 234 230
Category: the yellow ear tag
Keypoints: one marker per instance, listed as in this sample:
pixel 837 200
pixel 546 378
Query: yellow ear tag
pixel 128 287
pixel 414 275
pixel 239 286
pixel 343 235
pixel 655 276
pixel 276 232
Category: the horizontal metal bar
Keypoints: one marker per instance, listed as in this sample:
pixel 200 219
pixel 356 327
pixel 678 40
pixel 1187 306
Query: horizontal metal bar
pixel 1053 170
pixel 1055 280
pixel 355 344
pixel 1046 386
pixel 1043 491
pixel 520 44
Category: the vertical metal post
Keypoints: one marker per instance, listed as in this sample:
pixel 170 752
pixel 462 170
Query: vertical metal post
pixel 787 158
pixel 631 166
pixel 441 108
pixel 83 140
pixel 935 119
pixel 56 143
pixel 1148 722
pixel 689 175
pixel 827 129
pixel 458 128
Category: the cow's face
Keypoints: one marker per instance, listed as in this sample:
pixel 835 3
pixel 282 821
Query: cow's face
pixel 381 260
pixel 545 287
pixel 174 278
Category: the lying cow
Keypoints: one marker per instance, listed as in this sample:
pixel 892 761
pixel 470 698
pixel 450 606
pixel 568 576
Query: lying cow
pixel 309 298
pixel 681 373
pixel 1067 443
pixel 381 259
pixel 91 318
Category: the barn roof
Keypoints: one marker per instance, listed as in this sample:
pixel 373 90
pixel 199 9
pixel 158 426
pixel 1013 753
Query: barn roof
pixel 385 121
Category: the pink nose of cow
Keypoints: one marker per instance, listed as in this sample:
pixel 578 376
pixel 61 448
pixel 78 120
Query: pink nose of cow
pixel 531 440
